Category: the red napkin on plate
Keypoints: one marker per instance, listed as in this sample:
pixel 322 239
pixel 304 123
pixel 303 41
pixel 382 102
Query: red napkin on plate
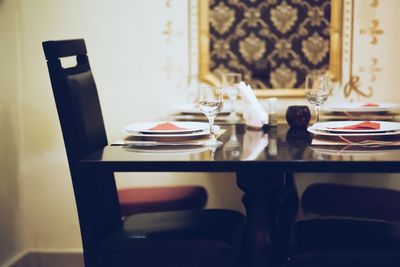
pixel 370 105
pixel 365 125
pixel 167 126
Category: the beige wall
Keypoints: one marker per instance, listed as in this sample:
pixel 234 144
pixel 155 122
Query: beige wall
pixel 140 73
pixel 11 231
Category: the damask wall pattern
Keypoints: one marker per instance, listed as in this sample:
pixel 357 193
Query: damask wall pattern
pixel 273 43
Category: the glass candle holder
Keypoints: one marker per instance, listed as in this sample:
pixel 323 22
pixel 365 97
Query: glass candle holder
pixel 298 116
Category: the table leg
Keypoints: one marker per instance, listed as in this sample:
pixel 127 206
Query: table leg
pixel 263 196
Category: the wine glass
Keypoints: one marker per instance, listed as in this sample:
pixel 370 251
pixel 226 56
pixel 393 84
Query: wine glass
pixel 230 83
pixel 211 101
pixel 317 90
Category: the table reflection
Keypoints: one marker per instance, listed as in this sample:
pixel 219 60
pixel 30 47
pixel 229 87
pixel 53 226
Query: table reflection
pixel 232 148
pixel 254 143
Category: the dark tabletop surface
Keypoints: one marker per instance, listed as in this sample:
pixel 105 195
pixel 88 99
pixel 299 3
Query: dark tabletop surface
pixel 276 148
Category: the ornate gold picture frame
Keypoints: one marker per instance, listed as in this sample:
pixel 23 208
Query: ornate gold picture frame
pixel 335 50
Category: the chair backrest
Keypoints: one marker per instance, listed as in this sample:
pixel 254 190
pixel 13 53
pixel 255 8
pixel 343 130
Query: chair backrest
pixel 83 130
pixel 352 201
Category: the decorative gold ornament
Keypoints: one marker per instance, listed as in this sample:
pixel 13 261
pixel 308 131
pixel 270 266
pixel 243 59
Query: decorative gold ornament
pixel 283 77
pixel 373 31
pixel 316 16
pixel 252 16
pixel 353 86
pixel 168 3
pixel 221 49
pixel 315 48
pixel 372 70
pixel 168 32
pixel 252 48
pixel 374 3
pixel 284 17
pixel 222 18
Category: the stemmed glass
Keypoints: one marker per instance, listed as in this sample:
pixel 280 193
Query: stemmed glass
pixel 211 101
pixel 230 83
pixel 317 87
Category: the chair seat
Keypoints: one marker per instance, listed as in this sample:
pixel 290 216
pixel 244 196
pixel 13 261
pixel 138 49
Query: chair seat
pixel 154 199
pixel 345 234
pixel 345 242
pixel 188 230
pixel 209 237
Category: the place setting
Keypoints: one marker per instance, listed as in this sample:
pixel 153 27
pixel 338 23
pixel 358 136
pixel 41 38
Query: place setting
pixel 360 133
pixel 179 136
pixel 349 135
pixel 362 110
pixel 355 137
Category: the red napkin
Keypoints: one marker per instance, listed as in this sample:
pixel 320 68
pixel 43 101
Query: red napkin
pixel 370 105
pixel 167 126
pixel 365 125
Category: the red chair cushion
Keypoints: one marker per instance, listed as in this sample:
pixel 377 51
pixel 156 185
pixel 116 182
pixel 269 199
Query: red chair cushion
pixel 152 199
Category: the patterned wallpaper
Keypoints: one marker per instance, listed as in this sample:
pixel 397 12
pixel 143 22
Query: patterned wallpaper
pixel 273 43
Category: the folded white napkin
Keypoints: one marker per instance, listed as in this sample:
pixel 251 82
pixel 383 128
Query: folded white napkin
pixel 254 114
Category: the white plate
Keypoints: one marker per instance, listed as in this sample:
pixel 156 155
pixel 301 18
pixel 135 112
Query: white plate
pixel 188 127
pixel 193 109
pixel 172 137
pixel 353 151
pixel 385 126
pixel 312 130
pixel 360 107
pixel 185 150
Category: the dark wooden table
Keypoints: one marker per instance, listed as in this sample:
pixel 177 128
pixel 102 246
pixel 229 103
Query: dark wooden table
pixel 264 163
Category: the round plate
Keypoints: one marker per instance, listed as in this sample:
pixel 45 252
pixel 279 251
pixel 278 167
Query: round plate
pixel 356 151
pixel 360 107
pixel 172 137
pixel 187 127
pixel 385 126
pixel 312 130
pixel 184 150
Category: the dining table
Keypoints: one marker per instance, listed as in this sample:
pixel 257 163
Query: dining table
pixel 264 162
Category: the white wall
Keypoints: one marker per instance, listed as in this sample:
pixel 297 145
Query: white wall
pixel 139 74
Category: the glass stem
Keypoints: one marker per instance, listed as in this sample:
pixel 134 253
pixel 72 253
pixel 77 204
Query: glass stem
pixel 211 122
pixel 316 114
pixel 233 112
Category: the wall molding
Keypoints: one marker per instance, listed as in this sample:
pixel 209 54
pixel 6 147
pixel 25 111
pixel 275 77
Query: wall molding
pixel 15 258
pixel 46 258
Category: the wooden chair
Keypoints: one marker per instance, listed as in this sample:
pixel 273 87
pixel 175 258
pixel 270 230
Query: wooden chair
pixel 347 226
pixel 173 238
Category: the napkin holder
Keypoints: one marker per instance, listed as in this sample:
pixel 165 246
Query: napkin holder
pixel 254 114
